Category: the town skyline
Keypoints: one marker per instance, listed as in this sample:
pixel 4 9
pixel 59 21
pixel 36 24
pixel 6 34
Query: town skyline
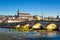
pixel 34 7
pixel 42 14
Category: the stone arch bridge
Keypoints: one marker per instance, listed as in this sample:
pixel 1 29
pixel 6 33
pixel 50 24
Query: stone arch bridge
pixel 43 23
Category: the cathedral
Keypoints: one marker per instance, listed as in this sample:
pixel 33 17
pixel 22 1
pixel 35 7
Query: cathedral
pixel 24 16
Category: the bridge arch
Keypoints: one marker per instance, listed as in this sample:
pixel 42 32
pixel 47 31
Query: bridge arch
pixel 51 26
pixel 37 25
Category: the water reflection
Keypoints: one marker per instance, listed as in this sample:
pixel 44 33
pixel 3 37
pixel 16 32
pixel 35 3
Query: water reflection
pixel 51 34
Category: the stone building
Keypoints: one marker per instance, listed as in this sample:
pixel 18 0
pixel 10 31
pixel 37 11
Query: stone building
pixel 24 16
pixel 19 17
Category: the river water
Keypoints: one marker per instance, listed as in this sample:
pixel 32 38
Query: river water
pixel 5 34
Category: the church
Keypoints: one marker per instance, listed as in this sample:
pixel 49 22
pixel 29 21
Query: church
pixel 24 16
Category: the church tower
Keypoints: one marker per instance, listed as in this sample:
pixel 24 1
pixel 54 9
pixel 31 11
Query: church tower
pixel 18 12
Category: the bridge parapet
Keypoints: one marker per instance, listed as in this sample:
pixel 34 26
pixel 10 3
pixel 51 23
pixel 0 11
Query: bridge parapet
pixel 43 23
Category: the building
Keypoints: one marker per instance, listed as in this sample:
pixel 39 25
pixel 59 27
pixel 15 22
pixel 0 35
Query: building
pixel 24 16
pixel 19 17
pixel 57 17
pixel 12 21
pixel 36 17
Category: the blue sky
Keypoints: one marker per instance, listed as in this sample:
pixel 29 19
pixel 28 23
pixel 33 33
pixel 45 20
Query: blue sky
pixel 34 7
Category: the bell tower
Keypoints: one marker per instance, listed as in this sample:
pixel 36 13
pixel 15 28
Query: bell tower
pixel 18 12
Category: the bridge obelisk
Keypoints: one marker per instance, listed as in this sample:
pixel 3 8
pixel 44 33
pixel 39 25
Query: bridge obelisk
pixel 42 15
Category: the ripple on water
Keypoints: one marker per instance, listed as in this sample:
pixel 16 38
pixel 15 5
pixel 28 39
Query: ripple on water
pixel 6 35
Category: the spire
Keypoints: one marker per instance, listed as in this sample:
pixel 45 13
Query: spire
pixel 18 11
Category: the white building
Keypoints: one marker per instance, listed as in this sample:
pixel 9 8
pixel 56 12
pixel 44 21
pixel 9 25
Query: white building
pixel 12 21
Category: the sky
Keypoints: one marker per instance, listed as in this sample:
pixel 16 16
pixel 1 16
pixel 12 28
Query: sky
pixel 34 7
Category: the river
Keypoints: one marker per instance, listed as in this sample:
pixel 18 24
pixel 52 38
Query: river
pixel 5 34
